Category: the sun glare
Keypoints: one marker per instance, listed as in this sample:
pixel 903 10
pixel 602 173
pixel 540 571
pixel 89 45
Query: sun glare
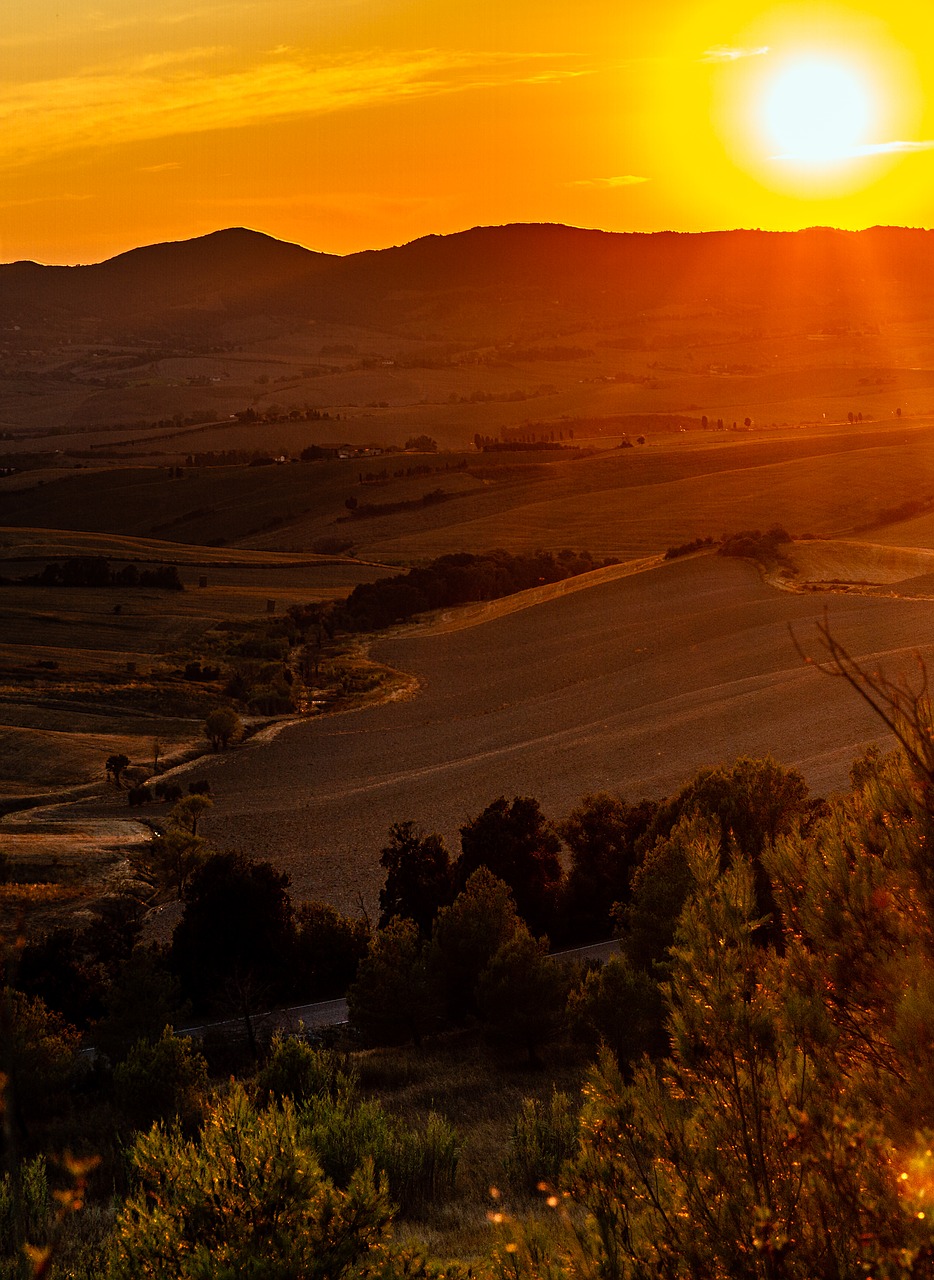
pixel 817 111
pixel 816 101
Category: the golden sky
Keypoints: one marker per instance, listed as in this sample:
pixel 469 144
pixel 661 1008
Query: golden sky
pixel 353 124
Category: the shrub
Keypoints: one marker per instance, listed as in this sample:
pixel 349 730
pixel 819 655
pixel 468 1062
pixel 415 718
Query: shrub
pixel 544 1139
pixel 420 1165
pixel 295 1070
pixel 161 1081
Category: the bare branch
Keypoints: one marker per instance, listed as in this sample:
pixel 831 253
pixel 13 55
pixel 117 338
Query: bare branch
pixel 903 708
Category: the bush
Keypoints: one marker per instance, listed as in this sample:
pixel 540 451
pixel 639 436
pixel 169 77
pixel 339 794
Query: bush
pixel 544 1140
pixel 420 1165
pixel 164 1080
pixel 222 727
pixel 296 1070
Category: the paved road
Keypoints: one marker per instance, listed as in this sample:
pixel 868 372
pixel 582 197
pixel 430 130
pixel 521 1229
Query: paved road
pixel 333 1013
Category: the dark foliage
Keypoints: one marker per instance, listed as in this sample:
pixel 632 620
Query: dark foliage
pixel 328 950
pixel 517 844
pixel 419 877
pixel 236 935
pixel 72 970
pixel 95 571
pixel 455 579
pixel 751 544
pixel 603 835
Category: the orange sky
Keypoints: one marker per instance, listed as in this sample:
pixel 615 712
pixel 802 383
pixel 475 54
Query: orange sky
pixel 352 124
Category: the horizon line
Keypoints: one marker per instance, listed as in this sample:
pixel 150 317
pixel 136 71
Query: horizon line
pixel 446 235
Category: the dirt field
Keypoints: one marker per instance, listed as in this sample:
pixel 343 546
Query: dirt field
pixel 632 685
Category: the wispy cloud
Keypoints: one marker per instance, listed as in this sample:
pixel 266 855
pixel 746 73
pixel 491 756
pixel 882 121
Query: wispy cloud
pixel 608 184
pixel 895 147
pixel 159 168
pixel 724 53
pixel 155 98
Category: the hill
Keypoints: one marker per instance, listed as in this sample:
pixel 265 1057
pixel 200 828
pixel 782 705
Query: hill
pixel 632 685
pixel 852 276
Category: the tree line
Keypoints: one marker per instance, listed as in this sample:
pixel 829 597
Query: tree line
pixel 456 579
pixel 95 571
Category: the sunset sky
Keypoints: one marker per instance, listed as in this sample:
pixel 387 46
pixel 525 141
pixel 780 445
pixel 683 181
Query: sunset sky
pixel 353 124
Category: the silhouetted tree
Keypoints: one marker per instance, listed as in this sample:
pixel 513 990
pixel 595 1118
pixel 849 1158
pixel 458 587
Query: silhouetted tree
pixel 115 765
pixel 237 930
pixel 514 840
pixel 328 950
pixel 395 996
pixel 467 935
pixel 521 995
pixel 603 835
pixel 419 878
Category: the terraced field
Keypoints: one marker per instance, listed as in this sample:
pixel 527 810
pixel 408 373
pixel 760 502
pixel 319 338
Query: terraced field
pixel 631 685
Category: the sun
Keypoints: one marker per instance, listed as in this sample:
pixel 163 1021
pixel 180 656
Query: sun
pixel 816 102
pixel 815 110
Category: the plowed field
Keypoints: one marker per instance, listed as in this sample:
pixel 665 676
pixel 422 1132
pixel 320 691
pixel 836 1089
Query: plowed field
pixel 632 685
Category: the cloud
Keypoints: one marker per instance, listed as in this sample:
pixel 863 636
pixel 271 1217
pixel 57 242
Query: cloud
pixel 160 168
pixel 895 147
pixel 156 98
pixel 607 184
pixel 724 53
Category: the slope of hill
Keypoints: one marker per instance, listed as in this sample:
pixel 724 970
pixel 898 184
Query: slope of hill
pixel 632 686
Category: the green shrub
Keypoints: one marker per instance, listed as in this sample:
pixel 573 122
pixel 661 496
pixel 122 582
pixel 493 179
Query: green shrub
pixel 296 1070
pixel 420 1165
pixel 25 1216
pixel 544 1138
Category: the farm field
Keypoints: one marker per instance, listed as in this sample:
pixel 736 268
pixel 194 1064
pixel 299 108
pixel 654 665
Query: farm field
pixel 90 672
pixel 631 686
pixel 829 481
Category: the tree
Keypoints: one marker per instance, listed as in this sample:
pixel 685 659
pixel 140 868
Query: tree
pixel 222 727
pixel 602 834
pixel 467 935
pixel 236 932
pixel 161 1080
pixel 177 852
pixel 328 950
pixel 621 1007
pixel 141 1002
pixel 521 995
pixel 38 1050
pixel 188 812
pixel 759 1146
pixel 174 856
pixel 518 845
pixel 419 878
pixel 394 997
pixel 754 802
pixel 423 444
pixel 115 765
pixel 247 1199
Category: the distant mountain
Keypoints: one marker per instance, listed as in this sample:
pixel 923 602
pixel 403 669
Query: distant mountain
pixel 503 275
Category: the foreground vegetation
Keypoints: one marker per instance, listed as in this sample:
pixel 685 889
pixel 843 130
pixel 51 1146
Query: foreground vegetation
pixel 759 1104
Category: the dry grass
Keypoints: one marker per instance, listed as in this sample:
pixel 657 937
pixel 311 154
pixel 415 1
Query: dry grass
pixel 480 1094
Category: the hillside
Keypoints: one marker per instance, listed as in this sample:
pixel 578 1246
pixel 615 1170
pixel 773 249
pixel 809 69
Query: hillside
pixel 631 686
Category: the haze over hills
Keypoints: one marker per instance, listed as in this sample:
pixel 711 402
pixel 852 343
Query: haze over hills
pixel 882 270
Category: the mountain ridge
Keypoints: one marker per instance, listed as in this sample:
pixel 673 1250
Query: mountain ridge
pixel 238 271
